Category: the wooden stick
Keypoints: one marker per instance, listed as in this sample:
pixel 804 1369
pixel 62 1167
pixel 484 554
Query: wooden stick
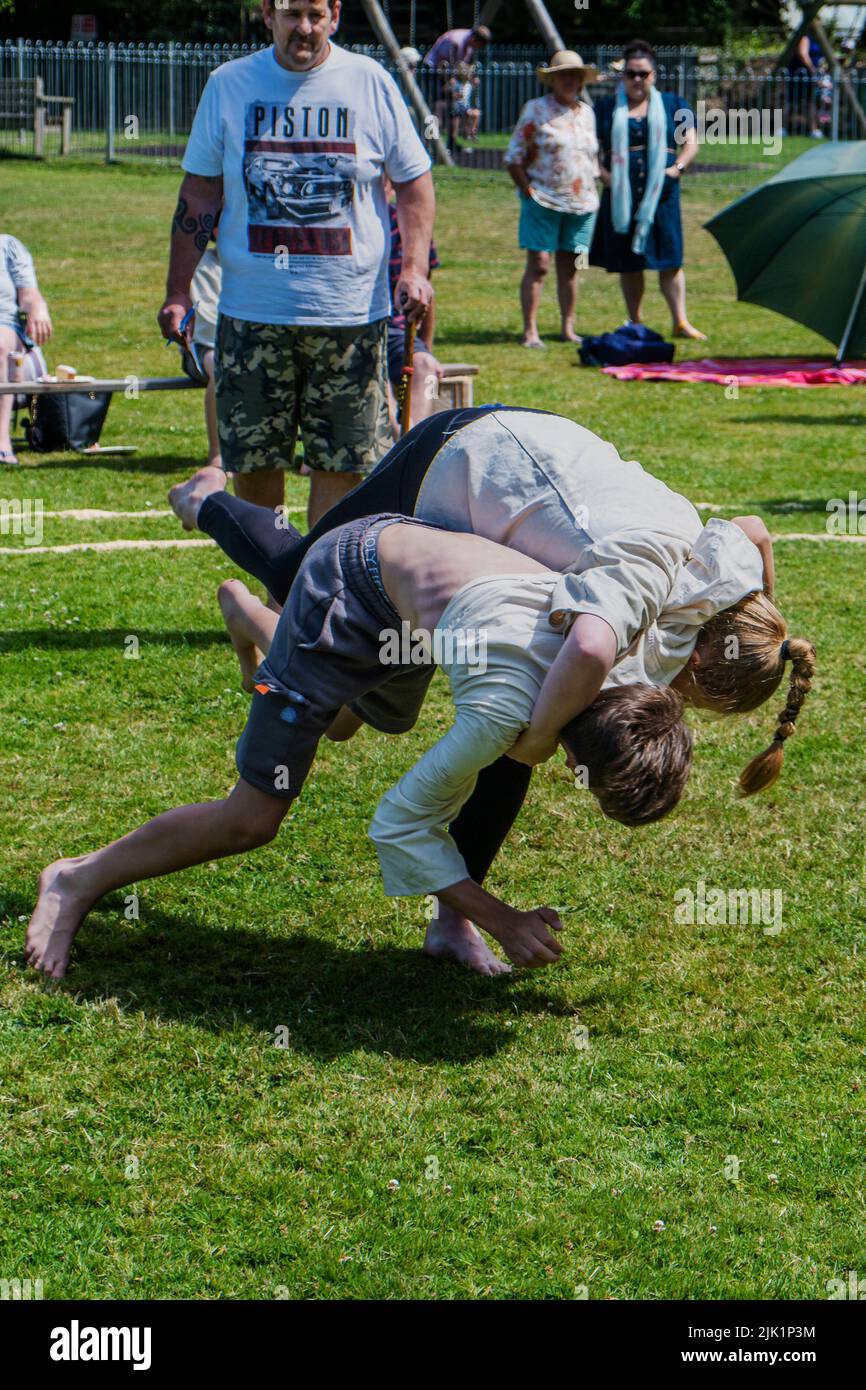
pixel 404 390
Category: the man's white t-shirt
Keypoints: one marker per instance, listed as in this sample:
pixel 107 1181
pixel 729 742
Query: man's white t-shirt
pixel 304 232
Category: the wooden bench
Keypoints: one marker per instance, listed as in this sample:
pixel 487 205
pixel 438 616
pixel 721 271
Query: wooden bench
pixel 456 386
pixel 24 105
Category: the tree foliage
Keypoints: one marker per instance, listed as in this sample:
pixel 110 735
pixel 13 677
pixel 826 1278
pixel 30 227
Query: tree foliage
pixel 208 21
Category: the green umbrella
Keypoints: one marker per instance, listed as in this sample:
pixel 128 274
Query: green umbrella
pixel 797 244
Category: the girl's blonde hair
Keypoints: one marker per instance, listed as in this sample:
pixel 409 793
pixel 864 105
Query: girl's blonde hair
pixel 745 649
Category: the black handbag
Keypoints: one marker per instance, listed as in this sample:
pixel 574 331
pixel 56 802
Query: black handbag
pixel 66 420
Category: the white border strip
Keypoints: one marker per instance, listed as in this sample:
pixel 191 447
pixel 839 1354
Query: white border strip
pixel 100 545
pixel 97 514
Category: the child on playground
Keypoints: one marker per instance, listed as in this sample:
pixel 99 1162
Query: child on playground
pixel 356 586
pixel 466 108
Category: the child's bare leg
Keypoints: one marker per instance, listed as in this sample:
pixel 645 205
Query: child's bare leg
pixel 251 626
pixel 452 937
pixel 175 840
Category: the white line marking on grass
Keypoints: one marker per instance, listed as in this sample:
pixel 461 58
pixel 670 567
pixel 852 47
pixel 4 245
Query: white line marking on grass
pixel 97 514
pixel 813 536
pixel 778 507
pixel 99 545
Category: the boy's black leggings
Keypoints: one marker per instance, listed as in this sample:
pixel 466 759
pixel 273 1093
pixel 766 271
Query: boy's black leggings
pixel 263 544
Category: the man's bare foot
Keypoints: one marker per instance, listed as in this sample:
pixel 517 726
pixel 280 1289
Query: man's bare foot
pixel 56 918
pixel 450 937
pixel 186 498
pixel 532 340
pixel 688 330
pixel 230 596
pixel 568 335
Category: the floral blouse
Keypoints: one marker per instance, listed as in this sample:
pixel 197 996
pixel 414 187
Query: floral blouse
pixel 558 147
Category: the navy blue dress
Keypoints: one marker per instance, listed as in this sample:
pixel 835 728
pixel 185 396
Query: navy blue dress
pixel 664 246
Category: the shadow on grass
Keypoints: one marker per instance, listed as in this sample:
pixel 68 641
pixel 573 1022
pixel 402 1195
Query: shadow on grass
pixel 113 463
pixel 796 421
pixel 790 506
pixel 333 999
pixel 60 639
pixel 483 337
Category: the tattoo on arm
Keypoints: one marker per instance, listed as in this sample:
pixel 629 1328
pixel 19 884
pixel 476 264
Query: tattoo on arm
pixel 188 224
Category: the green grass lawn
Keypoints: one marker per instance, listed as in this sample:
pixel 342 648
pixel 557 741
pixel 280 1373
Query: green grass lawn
pixel 423 1132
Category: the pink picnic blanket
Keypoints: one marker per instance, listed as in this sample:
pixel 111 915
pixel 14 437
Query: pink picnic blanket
pixel 747 371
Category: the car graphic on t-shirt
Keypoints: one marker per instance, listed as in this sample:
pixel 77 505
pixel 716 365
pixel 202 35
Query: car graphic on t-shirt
pixel 303 190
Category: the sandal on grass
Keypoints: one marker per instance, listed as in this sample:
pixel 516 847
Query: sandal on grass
pixel 9 459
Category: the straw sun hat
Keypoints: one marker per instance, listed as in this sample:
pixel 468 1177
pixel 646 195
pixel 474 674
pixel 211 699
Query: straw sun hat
pixel 566 61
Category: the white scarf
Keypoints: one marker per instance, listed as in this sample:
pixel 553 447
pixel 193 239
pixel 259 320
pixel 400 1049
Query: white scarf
pixel 657 143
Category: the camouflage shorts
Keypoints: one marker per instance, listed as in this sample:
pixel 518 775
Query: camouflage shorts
pixel 274 382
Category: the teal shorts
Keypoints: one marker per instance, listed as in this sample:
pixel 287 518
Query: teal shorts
pixel 543 229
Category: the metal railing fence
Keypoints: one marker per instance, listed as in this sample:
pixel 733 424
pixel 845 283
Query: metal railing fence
pixel 139 100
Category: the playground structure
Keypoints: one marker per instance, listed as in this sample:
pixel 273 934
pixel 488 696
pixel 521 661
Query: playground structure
pixel 380 20
pixel 810 20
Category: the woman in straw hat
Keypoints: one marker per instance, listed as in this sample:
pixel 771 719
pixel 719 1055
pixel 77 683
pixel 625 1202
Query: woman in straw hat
pixel 553 160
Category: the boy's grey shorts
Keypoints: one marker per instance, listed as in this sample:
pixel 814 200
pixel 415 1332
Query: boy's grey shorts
pixel 326 653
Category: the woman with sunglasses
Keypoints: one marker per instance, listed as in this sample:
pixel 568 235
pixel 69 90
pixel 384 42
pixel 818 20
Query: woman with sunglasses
pixel 647 141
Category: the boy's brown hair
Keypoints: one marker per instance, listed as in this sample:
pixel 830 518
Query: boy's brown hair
pixel 636 749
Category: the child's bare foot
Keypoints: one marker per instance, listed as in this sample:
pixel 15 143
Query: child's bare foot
pixel 186 498
pixel 58 914
pixel 230 595
pixel 450 937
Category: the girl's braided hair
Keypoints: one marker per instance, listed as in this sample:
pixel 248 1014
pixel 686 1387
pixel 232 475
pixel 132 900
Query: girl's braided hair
pixel 763 770
pixel 746 648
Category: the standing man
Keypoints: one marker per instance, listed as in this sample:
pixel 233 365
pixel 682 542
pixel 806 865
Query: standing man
pixel 457 46
pixel 452 48
pixel 293 141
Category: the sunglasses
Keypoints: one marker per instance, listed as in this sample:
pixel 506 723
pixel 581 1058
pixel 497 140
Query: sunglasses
pixel 636 75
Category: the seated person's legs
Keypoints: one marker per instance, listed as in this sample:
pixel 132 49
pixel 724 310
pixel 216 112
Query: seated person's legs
pixel 9 342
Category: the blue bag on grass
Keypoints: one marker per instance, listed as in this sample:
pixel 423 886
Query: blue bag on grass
pixel 631 342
